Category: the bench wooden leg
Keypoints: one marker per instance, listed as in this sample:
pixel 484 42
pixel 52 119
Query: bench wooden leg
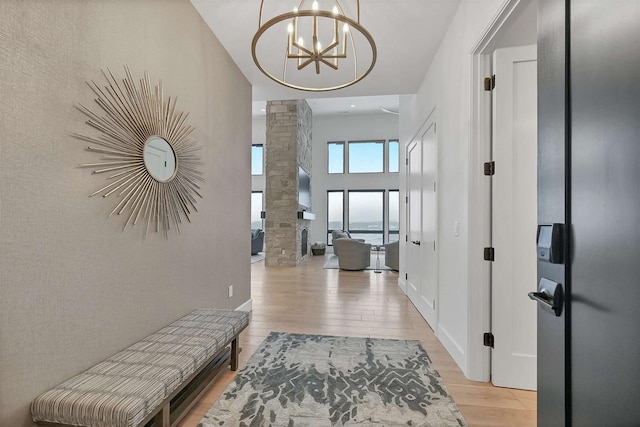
pixel 234 354
pixel 163 418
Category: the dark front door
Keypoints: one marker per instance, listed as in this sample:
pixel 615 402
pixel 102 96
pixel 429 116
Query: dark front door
pixel 552 207
pixel 605 212
pixel 589 179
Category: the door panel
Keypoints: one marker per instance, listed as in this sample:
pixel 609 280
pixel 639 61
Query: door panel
pixel 552 146
pixel 605 212
pixel 514 189
pixel 414 221
pixel 429 288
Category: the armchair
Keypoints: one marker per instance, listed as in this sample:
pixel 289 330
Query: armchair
pixel 341 234
pixel 257 241
pixel 352 254
pixel 392 255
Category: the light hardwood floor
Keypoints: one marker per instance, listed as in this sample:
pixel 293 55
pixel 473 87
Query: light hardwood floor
pixel 310 299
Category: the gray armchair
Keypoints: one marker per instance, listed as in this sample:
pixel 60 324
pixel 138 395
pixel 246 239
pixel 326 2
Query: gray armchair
pixel 341 234
pixel 352 254
pixel 257 241
pixel 392 255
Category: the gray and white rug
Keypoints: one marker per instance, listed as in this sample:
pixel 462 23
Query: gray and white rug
pixel 332 262
pixel 313 380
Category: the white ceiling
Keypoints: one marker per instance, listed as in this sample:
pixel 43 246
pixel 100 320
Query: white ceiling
pixel 407 35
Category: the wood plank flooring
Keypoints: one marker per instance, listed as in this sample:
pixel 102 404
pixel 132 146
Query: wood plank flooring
pixel 310 299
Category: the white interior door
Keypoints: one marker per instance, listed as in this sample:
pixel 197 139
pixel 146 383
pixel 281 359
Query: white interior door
pixel 514 211
pixel 414 221
pixel 422 284
pixel 429 288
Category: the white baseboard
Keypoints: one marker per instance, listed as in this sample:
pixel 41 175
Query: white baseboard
pixel 246 306
pixel 403 285
pixel 453 348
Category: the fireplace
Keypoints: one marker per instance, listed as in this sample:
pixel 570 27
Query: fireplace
pixel 303 243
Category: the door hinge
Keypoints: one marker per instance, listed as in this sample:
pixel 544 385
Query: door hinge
pixel 434 245
pixel 406 276
pixel 406 161
pixel 406 238
pixel 435 128
pixel 434 186
pixel 490 83
pixel 489 254
pixel 490 168
pixel 488 339
pixel 406 200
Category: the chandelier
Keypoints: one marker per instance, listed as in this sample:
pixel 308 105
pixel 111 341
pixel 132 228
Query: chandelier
pixel 313 40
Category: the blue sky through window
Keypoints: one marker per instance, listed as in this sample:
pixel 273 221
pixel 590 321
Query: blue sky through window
pixel 366 157
pixel 257 161
pixel 336 157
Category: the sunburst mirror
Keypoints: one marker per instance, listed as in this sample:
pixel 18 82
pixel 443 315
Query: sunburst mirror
pixel 150 161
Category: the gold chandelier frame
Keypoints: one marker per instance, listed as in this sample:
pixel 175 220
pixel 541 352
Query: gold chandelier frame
pixel 316 54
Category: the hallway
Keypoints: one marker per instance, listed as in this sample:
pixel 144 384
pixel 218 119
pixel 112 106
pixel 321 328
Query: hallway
pixel 310 299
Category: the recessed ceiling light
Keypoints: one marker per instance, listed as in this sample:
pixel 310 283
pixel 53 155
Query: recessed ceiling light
pixel 263 110
pixel 353 106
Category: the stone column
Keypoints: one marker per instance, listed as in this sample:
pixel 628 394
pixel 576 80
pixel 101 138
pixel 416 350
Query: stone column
pixel 288 146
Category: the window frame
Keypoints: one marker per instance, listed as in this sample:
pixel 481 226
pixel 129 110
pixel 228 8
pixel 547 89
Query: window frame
pixel 344 157
pixel 366 141
pixel 388 152
pixel 384 220
pixel 261 207
pixel 329 230
pixel 389 231
pixel 262 155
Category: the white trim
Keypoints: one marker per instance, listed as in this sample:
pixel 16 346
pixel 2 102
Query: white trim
pixel 454 349
pixel 478 362
pixel 403 285
pixel 246 306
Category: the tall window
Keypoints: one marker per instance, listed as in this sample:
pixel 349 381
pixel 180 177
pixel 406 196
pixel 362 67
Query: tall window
pixel 366 157
pixel 394 215
pixel 335 212
pixel 366 216
pixel 257 159
pixel 394 157
pixel 336 157
pixel 256 209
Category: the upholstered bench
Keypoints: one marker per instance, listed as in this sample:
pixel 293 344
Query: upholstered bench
pixel 153 382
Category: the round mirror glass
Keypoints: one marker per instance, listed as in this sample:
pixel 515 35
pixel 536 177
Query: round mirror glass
pixel 159 159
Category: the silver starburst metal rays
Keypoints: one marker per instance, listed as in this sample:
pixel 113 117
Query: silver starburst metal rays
pixel 131 117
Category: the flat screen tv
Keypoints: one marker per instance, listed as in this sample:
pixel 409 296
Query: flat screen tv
pixel 304 188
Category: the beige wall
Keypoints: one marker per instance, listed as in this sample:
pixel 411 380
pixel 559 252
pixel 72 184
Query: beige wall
pixel 75 288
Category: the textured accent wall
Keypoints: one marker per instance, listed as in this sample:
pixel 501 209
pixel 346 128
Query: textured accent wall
pixel 288 145
pixel 75 288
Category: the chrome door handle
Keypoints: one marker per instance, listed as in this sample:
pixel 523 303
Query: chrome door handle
pixel 549 295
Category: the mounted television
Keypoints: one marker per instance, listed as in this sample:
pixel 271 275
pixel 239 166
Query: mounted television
pixel 304 188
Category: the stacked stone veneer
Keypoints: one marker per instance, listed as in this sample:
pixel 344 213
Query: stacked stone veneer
pixel 288 146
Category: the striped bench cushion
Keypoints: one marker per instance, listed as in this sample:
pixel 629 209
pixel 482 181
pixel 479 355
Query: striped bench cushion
pixel 124 389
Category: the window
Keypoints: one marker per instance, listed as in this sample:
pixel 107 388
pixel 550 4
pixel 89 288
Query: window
pixel 336 157
pixel 393 157
pixel 366 157
pixel 366 216
pixel 256 209
pixel 335 212
pixel 257 159
pixel 394 215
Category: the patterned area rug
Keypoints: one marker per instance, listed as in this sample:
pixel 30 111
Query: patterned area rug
pixel 313 380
